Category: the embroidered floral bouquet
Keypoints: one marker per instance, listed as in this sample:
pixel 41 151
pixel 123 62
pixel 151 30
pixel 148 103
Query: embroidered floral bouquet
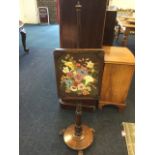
pixel 78 76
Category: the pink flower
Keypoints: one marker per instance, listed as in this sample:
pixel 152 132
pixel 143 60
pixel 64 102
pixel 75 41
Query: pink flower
pixel 78 78
pixel 78 65
pixel 70 74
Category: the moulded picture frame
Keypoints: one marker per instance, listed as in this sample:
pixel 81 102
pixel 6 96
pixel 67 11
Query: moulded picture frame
pixel 79 73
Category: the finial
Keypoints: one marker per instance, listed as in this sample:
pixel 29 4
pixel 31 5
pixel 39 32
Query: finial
pixel 78 5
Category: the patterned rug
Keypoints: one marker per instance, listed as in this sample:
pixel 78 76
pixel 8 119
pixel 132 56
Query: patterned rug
pixel 129 134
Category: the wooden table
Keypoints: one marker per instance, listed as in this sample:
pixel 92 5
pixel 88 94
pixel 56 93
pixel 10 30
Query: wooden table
pixel 117 76
pixel 127 24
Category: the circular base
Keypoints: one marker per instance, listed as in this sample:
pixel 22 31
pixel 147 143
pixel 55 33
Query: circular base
pixel 78 142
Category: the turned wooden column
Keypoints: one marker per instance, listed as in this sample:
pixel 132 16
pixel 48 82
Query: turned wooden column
pixel 78 115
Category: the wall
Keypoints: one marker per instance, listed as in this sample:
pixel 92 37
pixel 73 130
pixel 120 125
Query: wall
pixel 51 4
pixel 28 11
pixel 123 4
pixel 21 11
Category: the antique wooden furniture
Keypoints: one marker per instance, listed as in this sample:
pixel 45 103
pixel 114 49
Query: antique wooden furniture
pixel 92 23
pixel 23 35
pixel 79 27
pixel 78 74
pixel 110 23
pixel 127 25
pixel 117 76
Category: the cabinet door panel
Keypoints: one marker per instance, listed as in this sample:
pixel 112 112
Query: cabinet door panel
pixel 116 82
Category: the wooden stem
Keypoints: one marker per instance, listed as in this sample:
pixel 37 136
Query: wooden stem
pixel 78 13
pixel 78 114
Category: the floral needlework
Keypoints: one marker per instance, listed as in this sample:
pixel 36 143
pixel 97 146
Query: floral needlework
pixel 79 76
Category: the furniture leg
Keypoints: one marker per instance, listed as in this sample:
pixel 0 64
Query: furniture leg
pixel 125 38
pixel 100 106
pixel 61 132
pixel 23 35
pixel 120 107
pixel 118 32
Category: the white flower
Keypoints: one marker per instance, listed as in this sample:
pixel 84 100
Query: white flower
pixel 81 86
pixel 65 69
pixel 90 64
pixel 88 79
pixel 69 64
pixel 73 88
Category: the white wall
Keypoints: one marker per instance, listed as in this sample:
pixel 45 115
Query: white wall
pixel 123 4
pixel 28 11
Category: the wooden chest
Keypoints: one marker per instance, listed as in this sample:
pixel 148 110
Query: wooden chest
pixel 117 76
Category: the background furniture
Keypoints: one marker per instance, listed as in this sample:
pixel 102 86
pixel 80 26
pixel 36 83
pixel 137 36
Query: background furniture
pixel 110 23
pixel 127 26
pixel 117 76
pixel 23 35
pixel 92 23
pixel 129 135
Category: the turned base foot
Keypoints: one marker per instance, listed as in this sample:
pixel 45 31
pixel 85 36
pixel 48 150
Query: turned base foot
pixel 26 50
pixel 61 132
pixel 81 142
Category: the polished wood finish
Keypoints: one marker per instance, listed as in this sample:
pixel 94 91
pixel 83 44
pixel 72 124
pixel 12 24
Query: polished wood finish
pixel 92 23
pixel 78 136
pixel 118 55
pixel 89 105
pixel 117 76
pixel 81 142
pixel 78 122
pixel 110 23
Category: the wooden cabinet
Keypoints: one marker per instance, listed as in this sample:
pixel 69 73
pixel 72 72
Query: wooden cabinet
pixel 92 23
pixel 117 76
